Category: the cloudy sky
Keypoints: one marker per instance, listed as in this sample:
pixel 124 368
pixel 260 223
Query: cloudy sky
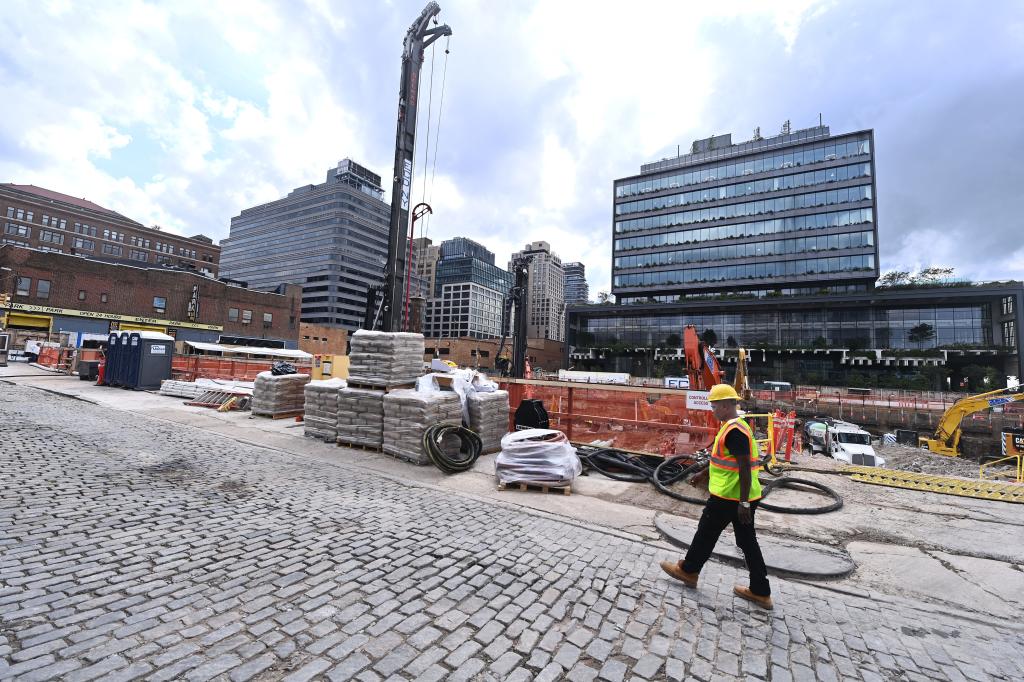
pixel 182 113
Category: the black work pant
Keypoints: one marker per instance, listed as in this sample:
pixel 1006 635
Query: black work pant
pixel 719 513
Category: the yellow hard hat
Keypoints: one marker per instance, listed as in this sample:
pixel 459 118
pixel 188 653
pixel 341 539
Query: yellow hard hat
pixel 722 392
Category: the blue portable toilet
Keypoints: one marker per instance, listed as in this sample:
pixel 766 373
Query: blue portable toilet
pixel 130 374
pixel 153 360
pixel 111 355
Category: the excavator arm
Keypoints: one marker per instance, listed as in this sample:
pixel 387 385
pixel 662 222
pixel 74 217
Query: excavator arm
pixel 701 365
pixel 946 439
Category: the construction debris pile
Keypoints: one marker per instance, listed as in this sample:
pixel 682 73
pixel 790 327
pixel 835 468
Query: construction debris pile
pixel 488 417
pixel 360 417
pixel 908 458
pixel 408 414
pixel 278 395
pixel 193 389
pixel 537 456
pixel 321 409
pixel 385 359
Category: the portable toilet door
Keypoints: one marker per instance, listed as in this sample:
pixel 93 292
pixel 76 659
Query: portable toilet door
pixel 131 373
pixel 122 359
pixel 111 364
pixel 155 358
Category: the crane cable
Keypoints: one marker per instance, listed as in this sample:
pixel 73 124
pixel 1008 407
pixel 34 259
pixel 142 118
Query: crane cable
pixel 437 130
pixel 430 112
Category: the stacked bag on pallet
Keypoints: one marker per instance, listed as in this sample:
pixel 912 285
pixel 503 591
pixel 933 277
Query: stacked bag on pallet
pixel 274 395
pixel 538 456
pixel 488 417
pixel 408 414
pixel 385 358
pixel 321 409
pixel 360 416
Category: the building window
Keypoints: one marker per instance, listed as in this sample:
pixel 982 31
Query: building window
pixel 103 298
pixel 52 237
pixel 1010 334
pixel 246 317
pixel 232 314
pixel 135 254
pixel 159 304
pixel 81 294
pixel 24 286
pixel 268 319
pixel 20 214
pixel 28 216
pixel 83 244
pixel 18 230
pixel 43 288
pixel 112 250
pixel 10 211
pixel 1007 305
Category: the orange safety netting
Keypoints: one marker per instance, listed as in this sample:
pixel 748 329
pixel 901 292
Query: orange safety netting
pixel 633 418
pixel 192 367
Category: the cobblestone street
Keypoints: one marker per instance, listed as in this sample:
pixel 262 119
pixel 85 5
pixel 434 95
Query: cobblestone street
pixel 137 548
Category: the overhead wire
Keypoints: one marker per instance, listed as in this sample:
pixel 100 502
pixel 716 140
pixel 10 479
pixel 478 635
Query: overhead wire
pixel 437 130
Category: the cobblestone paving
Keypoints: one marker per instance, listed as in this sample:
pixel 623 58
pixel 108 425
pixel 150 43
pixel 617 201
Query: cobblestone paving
pixel 135 548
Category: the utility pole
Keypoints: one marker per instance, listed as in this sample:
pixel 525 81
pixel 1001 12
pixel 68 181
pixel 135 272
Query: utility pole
pixel 417 39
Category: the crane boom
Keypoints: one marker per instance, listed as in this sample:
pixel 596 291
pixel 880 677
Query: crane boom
pixel 946 440
pixel 419 37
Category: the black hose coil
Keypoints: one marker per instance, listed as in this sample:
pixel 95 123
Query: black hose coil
pixel 452 464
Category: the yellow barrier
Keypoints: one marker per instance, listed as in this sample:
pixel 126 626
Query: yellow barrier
pixel 946 485
pixel 1017 475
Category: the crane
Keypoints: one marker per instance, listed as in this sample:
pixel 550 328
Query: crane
pixel 390 313
pixel 516 300
pixel 946 439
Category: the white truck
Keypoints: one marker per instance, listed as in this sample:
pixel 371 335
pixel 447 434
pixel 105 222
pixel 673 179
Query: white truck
pixel 841 440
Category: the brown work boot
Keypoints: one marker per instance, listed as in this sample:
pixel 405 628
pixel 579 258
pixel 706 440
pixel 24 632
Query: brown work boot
pixel 744 592
pixel 675 569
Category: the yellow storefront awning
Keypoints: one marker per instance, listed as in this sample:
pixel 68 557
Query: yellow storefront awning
pixel 136 327
pixel 26 321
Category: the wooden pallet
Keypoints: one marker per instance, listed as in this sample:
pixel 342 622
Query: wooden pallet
pixel 537 487
pixel 278 415
pixel 359 446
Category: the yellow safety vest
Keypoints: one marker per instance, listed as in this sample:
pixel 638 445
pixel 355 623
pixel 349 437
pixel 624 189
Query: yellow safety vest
pixel 724 476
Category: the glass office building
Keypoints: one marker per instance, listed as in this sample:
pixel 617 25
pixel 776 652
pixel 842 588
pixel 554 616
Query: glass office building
pixel 469 292
pixel 773 244
pixel 576 288
pixel 332 239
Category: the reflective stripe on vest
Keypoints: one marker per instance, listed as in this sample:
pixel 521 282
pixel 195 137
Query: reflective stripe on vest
pixel 724 468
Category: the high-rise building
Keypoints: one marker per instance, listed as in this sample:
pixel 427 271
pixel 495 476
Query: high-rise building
pixel 773 244
pixel 576 288
pixel 330 238
pixel 546 292
pixel 469 292
pixel 795 211
pixel 425 256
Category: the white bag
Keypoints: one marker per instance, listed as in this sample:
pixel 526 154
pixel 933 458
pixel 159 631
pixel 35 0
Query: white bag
pixel 541 456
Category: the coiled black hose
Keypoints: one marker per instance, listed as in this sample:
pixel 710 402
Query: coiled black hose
pixel 452 464
pixel 622 466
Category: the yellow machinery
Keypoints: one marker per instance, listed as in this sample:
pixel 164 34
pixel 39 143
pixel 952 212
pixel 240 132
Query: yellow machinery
pixel 946 439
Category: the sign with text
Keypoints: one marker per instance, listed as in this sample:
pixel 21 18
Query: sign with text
pixel 49 310
pixel 698 400
pixel 406 181
pixel 677 382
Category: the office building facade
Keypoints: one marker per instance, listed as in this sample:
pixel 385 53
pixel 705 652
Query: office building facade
pixel 469 292
pixel 779 252
pixel 425 255
pixel 331 239
pixel 546 292
pixel 42 219
pixel 790 213
pixel 576 288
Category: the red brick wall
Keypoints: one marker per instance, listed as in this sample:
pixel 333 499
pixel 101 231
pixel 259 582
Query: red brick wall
pixel 130 291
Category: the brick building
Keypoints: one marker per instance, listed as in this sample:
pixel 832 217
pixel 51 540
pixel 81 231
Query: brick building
pixel 54 292
pixel 42 219
pixel 320 339
pixel 543 354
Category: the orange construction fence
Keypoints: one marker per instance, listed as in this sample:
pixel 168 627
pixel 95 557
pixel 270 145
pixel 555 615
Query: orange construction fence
pixel 192 367
pixel 660 421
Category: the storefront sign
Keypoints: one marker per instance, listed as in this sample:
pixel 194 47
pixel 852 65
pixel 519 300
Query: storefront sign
pixel 193 303
pixel 25 307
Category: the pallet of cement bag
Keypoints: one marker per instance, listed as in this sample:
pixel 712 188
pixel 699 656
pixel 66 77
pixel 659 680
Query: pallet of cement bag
pixel 385 359
pixel 407 416
pixel 360 417
pixel 488 417
pixel 279 395
pixel 321 409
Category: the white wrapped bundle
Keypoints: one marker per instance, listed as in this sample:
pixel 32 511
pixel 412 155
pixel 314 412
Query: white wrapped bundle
pixel 360 416
pixel 539 456
pixel 273 395
pixel 488 416
pixel 407 416
pixel 321 409
pixel 385 358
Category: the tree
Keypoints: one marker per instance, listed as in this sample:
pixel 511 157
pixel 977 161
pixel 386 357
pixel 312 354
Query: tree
pixel 709 337
pixel 894 278
pixel 921 333
pixel 932 274
pixel 603 297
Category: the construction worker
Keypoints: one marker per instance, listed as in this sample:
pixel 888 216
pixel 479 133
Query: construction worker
pixel 735 491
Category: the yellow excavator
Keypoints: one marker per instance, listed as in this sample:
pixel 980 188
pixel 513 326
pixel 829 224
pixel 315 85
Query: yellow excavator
pixel 946 439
